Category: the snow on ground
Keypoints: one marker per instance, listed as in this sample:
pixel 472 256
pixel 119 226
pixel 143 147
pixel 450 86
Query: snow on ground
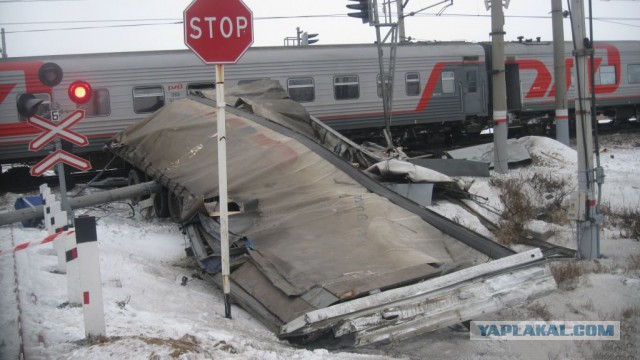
pixel 151 315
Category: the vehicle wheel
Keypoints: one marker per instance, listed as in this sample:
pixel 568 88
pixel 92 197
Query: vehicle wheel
pixel 175 207
pixel 161 203
pixel 136 177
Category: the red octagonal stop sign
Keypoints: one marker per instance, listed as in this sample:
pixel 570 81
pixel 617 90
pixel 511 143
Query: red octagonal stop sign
pixel 218 31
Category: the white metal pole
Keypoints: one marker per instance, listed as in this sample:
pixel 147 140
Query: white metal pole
pixel 222 188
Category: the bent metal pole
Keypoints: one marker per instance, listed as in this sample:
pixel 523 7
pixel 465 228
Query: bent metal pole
pixel 222 188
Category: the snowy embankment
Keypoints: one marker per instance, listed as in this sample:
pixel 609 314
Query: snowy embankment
pixel 150 314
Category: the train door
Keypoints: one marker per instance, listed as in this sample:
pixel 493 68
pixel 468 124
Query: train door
pixel 514 93
pixel 472 89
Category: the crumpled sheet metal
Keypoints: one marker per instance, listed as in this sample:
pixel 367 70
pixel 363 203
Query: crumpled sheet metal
pixel 323 246
pixel 409 171
pixel 317 227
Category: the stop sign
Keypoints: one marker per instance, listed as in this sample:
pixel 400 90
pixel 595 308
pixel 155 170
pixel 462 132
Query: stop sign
pixel 218 31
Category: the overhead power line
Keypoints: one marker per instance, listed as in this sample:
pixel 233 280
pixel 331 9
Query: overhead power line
pixel 176 21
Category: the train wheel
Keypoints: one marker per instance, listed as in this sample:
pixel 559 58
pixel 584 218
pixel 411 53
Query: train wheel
pixel 175 207
pixel 161 203
pixel 135 177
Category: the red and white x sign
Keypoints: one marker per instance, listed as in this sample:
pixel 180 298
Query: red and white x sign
pixel 53 130
pixel 59 156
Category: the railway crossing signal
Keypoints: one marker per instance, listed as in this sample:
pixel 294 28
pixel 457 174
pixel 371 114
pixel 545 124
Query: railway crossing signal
pixel 80 92
pixel 218 31
pixel 52 131
pixel 57 157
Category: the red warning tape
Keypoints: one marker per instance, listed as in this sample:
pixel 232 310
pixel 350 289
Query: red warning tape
pixel 47 239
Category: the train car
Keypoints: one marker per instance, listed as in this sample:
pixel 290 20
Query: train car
pixel 530 80
pixel 439 88
pixel 434 84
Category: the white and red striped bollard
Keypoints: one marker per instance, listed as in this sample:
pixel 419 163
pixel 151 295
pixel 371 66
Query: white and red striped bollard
pixel 90 280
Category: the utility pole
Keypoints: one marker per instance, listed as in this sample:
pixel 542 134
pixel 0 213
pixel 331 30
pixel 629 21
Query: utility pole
pixel 401 32
pixel 4 44
pixel 499 91
pixel 562 111
pixel 588 221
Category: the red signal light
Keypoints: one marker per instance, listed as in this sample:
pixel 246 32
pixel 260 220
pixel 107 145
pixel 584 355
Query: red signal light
pixel 80 92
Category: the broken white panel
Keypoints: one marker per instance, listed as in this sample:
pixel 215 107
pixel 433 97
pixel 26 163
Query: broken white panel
pixel 432 304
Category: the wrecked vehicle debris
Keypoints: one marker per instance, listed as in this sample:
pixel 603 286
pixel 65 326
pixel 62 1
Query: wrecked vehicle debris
pixel 319 245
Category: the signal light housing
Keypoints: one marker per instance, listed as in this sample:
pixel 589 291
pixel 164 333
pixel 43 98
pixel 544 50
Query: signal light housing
pixel 80 92
pixel 365 10
pixel 28 105
pixel 50 74
pixel 308 39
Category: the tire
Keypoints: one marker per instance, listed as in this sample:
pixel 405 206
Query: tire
pixel 136 177
pixel 175 207
pixel 161 203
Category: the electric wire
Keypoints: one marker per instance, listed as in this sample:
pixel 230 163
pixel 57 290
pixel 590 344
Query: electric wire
pixel 176 21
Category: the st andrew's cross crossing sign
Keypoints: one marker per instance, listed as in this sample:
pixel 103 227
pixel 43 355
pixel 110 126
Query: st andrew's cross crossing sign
pixel 218 31
pixel 52 131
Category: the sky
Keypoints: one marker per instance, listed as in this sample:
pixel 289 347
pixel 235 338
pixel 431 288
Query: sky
pixel 143 25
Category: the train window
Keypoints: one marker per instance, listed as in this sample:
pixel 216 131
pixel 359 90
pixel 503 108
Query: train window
pixel 147 99
pixel 379 82
pixel 606 75
pixel 44 109
pixel 634 73
pixel 448 82
pixel 412 83
pixel 201 86
pixel 346 87
pixel 472 81
pixel 98 105
pixel 198 88
pixel 301 89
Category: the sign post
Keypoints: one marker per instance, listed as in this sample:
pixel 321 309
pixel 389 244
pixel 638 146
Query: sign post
pixel 220 32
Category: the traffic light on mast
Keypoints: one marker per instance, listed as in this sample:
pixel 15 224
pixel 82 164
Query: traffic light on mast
pixel 365 10
pixel 308 39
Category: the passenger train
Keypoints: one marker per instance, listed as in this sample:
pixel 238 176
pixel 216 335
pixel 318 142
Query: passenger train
pixel 439 88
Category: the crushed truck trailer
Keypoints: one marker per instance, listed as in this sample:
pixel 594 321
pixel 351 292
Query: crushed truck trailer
pixel 318 245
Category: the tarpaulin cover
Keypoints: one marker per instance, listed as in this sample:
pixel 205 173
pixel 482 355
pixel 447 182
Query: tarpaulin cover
pixel 318 234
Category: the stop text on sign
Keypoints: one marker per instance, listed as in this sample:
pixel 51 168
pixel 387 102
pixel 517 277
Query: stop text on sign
pixel 218 31
pixel 227 27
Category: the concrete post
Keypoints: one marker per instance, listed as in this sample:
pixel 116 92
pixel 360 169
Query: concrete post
pixel 90 280
pixel 562 112
pixel 589 228
pixel 499 92
pixel 401 33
